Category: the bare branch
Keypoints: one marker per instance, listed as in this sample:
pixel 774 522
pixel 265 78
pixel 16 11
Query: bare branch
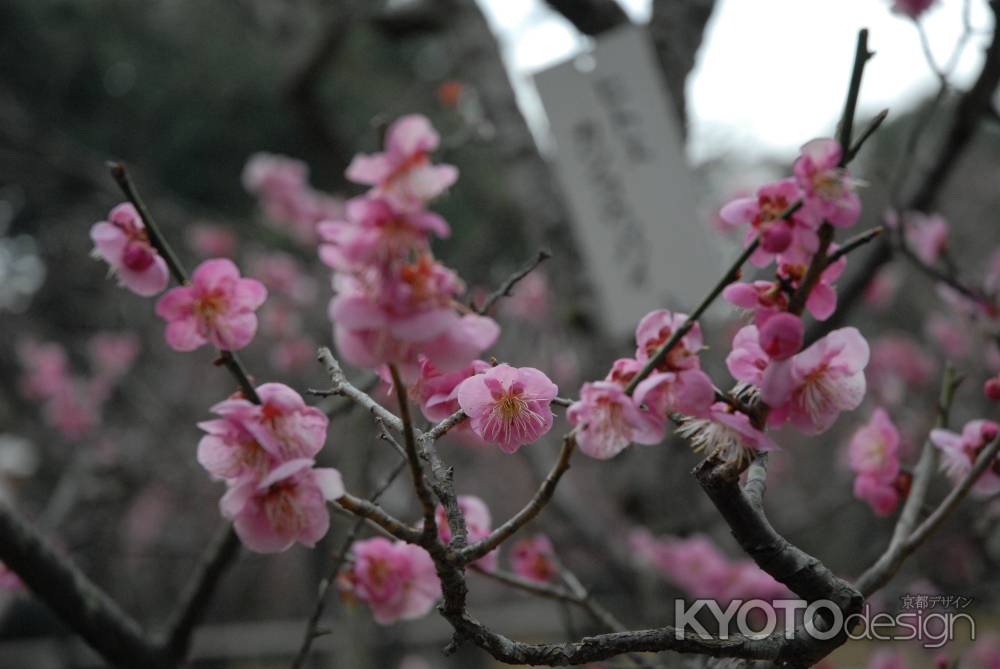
pixel 373 512
pixel 74 598
pixel 343 387
pixel 507 286
pixel 413 456
pixel 338 561
pixel 983 462
pixel 194 601
pixel 541 497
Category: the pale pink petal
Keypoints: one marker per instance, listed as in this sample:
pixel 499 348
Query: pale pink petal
pixel 368 169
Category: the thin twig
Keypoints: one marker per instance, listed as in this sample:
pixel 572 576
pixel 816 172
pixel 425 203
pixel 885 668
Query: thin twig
pixel 855 242
pixel 889 562
pixel 512 280
pixel 228 359
pixel 541 497
pixel 732 274
pixel 199 591
pixel 983 462
pixel 861 58
pixel 338 562
pixel 343 387
pixel 373 512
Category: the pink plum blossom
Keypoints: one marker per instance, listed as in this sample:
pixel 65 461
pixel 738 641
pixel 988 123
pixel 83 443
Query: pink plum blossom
pixel 437 391
pixel 814 386
pixel 656 328
pixel 46 369
pixel 282 424
pixel 898 366
pixel 533 558
pixel 926 236
pixel 392 317
pixel 765 299
pixel 882 289
pixel 873 454
pixel 960 452
pixel 763 214
pixel 950 334
pixel 607 420
pixel 882 496
pixel 231 453
pixel 123 243
pixel 747 361
pixel 281 185
pixel 217 307
pixel 293 354
pixel 375 232
pixel 887 659
pixel 781 336
pixel 286 506
pixel 912 8
pixel 829 192
pixel 874 448
pixel 396 579
pixel 282 274
pixel 508 406
pixel 211 241
pixel 112 354
pixel 689 391
pixel 403 172
pixel 992 388
pixel 696 566
pixel 478 523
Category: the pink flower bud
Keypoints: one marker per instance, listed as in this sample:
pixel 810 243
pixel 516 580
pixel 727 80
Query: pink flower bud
pixel 992 388
pixel 781 336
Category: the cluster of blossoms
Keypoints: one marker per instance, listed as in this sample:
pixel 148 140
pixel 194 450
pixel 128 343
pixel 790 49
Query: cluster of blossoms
pixel 217 306
pixel 281 186
pixel 265 454
pixel 607 418
pixel 697 566
pixel 873 455
pixel 73 403
pixel 263 451
pixel 805 388
pixel 395 303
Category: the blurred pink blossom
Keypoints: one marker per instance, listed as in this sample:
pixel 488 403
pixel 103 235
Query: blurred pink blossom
pixel 287 506
pixel 828 190
pixel 478 522
pixel 533 558
pixel 218 307
pixel 960 451
pixel 403 173
pixel 396 579
pixel 123 243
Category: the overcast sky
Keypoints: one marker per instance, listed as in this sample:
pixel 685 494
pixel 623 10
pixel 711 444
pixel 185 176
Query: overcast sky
pixel 771 74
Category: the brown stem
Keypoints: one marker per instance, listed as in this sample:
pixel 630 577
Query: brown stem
pixel 541 497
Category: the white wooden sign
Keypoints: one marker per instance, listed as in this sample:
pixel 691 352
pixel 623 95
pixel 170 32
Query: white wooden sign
pixel 621 164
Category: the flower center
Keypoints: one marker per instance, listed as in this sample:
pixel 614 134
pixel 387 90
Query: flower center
pixel 282 510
